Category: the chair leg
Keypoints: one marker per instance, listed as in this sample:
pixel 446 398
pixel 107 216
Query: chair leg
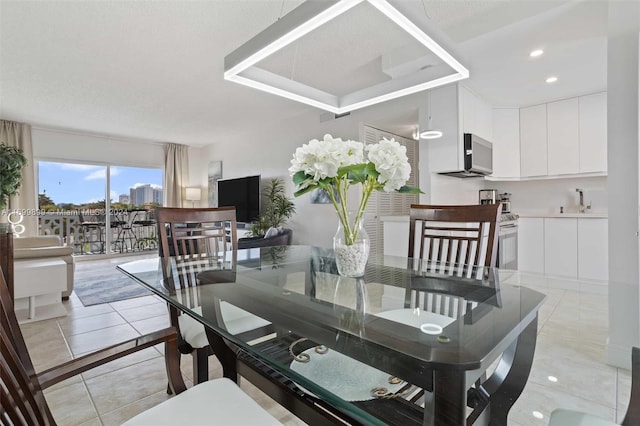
pixel 200 365
pixel 172 364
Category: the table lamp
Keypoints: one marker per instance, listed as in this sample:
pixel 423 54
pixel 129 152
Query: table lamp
pixel 193 195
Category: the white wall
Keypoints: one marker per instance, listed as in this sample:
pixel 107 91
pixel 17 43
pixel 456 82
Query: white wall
pixel 622 157
pixel 78 146
pixel 268 152
pixel 73 146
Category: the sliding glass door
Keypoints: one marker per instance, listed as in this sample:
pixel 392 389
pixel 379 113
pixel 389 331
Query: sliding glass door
pixel 93 207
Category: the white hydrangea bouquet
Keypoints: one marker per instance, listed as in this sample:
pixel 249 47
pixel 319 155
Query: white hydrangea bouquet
pixel 335 165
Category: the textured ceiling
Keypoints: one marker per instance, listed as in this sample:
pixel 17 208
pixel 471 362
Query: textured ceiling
pixel 153 69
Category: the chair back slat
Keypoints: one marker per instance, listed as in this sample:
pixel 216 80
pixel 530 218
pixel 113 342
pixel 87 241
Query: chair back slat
pixel 23 402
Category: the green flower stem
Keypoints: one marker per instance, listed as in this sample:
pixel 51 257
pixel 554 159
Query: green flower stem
pixel 341 186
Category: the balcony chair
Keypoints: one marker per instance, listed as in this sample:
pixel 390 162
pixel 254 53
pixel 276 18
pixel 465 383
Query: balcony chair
pixel 46 247
pixel 217 402
pixel 564 417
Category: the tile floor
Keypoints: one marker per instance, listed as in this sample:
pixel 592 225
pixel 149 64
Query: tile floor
pixel 568 369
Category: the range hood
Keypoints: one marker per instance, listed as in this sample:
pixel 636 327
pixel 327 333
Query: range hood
pixel 477 158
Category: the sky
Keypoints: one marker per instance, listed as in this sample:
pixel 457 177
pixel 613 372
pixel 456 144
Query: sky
pixel 84 183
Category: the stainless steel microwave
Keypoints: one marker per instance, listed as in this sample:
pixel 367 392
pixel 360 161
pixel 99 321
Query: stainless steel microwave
pixel 477 157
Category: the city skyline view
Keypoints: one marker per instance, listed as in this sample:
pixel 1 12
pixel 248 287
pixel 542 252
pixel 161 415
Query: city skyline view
pixel 85 183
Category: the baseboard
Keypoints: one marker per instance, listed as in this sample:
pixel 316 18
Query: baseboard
pixel 532 279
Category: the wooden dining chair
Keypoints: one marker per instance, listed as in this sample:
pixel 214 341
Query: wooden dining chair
pixel 452 239
pixel 202 241
pixel 218 402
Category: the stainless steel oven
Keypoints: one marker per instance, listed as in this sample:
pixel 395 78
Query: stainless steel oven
pixel 508 242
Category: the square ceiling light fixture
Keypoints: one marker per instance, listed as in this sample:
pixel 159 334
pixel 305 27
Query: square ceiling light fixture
pixel 241 65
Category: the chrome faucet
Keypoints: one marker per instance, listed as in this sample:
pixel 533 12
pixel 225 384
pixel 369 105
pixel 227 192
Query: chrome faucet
pixel 581 207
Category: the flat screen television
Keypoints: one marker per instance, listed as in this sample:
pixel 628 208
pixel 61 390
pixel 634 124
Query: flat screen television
pixel 242 193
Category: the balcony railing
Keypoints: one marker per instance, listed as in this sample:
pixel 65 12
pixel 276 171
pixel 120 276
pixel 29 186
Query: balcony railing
pixel 87 233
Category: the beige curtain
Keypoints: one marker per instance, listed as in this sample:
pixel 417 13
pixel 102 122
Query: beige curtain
pixel 176 169
pixel 19 135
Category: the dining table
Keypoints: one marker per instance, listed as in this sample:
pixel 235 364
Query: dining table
pixel 410 342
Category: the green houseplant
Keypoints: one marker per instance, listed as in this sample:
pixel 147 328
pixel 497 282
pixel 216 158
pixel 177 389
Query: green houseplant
pixel 277 211
pixel 12 161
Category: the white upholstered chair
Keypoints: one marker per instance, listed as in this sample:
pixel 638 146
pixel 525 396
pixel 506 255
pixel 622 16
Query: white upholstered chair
pixel 564 417
pixel 46 247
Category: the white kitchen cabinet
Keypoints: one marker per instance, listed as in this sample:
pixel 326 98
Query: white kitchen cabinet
pixel 476 115
pixel 593 133
pixel 563 137
pixel 531 245
pixel 533 140
pixel 593 249
pixel 484 119
pixel 396 235
pixel 455 110
pixel 561 247
pixel 445 153
pixel 468 104
pixel 506 142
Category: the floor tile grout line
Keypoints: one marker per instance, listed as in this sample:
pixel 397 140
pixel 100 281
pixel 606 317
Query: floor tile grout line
pixel 93 404
pixel 130 404
pixel 101 328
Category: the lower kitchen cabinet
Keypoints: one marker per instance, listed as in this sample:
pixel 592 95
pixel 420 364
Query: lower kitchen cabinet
pixel 561 247
pixel 531 244
pixel 593 249
pixel 574 248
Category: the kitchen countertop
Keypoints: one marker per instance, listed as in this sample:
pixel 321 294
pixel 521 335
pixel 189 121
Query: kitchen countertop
pixel 523 214
pixel 571 215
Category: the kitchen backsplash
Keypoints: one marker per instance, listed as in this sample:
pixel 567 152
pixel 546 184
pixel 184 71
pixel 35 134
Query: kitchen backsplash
pixel 547 196
pixel 453 190
pixel 544 196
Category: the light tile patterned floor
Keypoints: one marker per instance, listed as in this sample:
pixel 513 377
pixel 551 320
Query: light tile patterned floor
pixel 568 371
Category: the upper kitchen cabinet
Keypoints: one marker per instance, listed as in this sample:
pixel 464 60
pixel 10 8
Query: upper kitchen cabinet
pixel 593 133
pixel 476 115
pixel 557 139
pixel 563 137
pixel 506 143
pixel 455 110
pixel 533 141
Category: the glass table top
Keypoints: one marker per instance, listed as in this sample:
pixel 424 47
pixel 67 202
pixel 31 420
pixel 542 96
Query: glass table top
pixel 341 338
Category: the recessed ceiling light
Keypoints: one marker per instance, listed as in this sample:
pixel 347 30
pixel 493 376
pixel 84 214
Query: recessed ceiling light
pixel 535 53
pixel 537 414
pixel 553 379
pixel 552 79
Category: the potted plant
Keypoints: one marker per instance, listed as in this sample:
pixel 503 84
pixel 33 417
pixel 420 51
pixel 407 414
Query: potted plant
pixel 12 161
pixel 278 209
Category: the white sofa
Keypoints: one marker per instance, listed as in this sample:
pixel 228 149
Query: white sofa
pixel 43 247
